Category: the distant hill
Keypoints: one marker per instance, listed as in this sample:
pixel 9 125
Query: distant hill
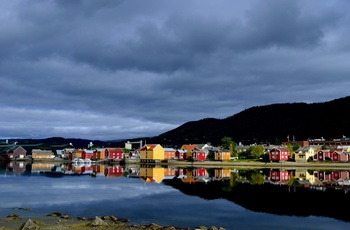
pixel 267 124
pixel 259 124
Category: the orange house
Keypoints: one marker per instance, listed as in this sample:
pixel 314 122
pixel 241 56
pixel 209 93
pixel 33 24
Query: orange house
pixel 222 155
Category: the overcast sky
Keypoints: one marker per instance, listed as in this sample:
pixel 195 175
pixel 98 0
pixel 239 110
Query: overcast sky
pixel 109 69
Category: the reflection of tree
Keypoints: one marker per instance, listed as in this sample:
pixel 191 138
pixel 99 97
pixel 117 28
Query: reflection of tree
pixel 291 180
pixel 256 178
pixel 234 180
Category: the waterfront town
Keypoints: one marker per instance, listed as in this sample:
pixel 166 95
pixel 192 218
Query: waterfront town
pixel 110 162
pixel 337 150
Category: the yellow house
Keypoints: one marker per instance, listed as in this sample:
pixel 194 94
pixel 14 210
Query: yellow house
pixel 151 152
pixel 302 154
pixel 42 154
pixel 152 174
pixel 222 155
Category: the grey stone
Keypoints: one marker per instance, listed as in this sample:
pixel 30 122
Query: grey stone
pixel 29 225
pixel 97 221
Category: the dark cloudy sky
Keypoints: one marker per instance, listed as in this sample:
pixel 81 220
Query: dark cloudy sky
pixel 109 69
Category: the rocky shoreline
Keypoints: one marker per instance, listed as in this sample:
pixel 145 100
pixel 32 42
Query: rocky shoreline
pixel 59 221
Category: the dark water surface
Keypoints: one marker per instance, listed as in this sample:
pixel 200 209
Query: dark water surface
pixel 175 200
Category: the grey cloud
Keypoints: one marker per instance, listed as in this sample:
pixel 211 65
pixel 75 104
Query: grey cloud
pixel 77 68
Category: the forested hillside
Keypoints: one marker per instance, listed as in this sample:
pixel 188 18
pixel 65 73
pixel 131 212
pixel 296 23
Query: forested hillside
pixel 267 124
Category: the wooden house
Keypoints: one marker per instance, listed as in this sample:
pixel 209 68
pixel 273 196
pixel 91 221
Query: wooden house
pixel 303 154
pixel 42 154
pixel 14 152
pixel 322 155
pixel 198 155
pixel 169 153
pixel 151 153
pixel 339 156
pixel 77 153
pixel 180 154
pixel 189 147
pixel 222 155
pixel 87 154
pixel 114 153
pixel 279 154
pixel 99 154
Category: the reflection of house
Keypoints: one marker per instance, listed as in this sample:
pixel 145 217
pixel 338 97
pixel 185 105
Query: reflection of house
pixel 279 154
pixel 17 167
pixel 14 152
pixel 42 154
pixel 200 172
pixel 222 155
pixel 221 173
pixel 114 171
pixel 279 176
pixel 331 176
pixel 302 154
pixel 98 169
pixel 152 174
pixel 304 176
pixel 42 167
pixel 170 172
pixel 151 152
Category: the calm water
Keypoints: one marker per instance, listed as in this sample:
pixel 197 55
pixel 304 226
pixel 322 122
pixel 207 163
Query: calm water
pixel 179 197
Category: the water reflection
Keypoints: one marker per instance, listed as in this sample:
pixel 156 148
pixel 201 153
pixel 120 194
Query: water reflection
pixel 301 177
pixel 298 192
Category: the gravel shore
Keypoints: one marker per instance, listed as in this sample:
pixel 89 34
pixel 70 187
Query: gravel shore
pixel 57 221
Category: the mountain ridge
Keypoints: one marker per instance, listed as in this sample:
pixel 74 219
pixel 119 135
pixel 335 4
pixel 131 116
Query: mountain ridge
pixel 266 124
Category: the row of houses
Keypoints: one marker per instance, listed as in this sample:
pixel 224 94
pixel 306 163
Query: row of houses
pixel 156 152
pixel 147 153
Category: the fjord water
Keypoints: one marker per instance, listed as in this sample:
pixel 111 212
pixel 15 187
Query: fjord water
pixel 169 200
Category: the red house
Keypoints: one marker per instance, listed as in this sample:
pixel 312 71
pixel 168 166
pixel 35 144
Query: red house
pixel 180 154
pixel 322 155
pixel 198 155
pixel 87 154
pixel 279 176
pixel 339 155
pixel 114 153
pixel 14 152
pixel 279 154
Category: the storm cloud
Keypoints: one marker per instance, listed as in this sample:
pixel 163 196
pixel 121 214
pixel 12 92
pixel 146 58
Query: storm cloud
pixel 124 69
